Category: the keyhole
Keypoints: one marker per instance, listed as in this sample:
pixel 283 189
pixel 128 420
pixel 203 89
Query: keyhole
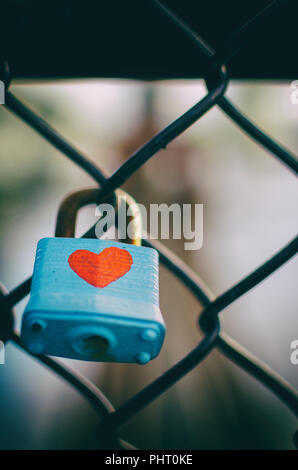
pixel 92 345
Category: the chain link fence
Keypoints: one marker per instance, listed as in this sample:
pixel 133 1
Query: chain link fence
pixel 216 79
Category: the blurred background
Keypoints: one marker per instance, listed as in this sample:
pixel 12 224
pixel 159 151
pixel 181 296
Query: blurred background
pixel 250 201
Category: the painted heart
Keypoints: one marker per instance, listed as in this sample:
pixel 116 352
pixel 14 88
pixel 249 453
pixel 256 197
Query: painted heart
pixel 101 269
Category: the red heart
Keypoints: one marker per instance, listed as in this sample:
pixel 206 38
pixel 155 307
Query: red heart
pixel 102 269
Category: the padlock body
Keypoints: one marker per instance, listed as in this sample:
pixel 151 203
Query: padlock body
pixel 94 300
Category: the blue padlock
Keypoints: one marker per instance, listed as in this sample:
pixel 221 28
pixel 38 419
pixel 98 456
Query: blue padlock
pixel 94 300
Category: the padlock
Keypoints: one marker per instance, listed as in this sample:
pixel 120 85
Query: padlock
pixel 93 299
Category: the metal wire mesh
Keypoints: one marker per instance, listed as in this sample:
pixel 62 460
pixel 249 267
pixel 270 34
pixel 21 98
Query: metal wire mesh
pixel 216 78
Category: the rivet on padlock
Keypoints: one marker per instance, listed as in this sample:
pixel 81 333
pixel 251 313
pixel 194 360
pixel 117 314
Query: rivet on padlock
pixel 93 299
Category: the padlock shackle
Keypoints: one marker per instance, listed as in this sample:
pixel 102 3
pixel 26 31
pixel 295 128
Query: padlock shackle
pixel 67 213
pixel 135 217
